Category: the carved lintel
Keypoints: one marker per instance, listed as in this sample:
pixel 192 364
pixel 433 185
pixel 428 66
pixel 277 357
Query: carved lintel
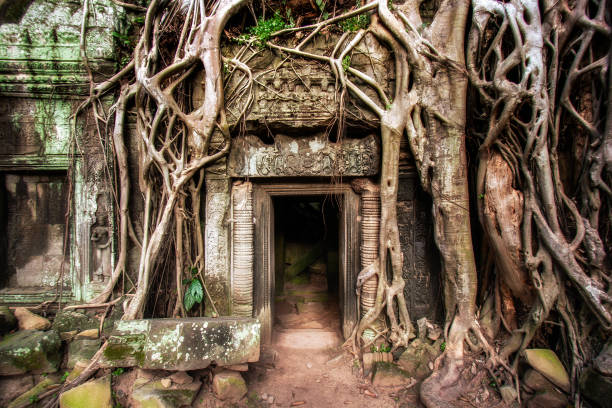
pixel 310 156
pixel 242 249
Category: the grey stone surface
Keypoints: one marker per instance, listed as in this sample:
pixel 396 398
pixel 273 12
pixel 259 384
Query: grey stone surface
pixel 163 394
pixel 68 321
pixel 389 374
pixel 30 351
pixel 311 156
pixel 603 362
pixel 229 385
pixel 182 344
pixel 92 394
pixel 82 350
pixel 7 320
pixel 416 358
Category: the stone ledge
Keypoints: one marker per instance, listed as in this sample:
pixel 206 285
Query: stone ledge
pixel 183 344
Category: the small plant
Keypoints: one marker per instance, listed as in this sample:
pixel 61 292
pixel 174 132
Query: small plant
pixel 122 38
pixel 266 27
pixel 64 376
pixel 443 346
pixel 321 5
pixel 195 291
pixel 355 23
pixel 346 62
pixel 33 399
pixel 117 371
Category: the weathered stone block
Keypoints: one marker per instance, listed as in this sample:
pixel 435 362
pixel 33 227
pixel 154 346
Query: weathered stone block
pixel 389 374
pixel 417 357
pixel 32 394
pixel 548 364
pixel 7 320
pixel 92 394
pixel 30 321
pixel 603 362
pixel 30 351
pixel 229 385
pixel 68 321
pixel 182 344
pixel 163 394
pixel 82 350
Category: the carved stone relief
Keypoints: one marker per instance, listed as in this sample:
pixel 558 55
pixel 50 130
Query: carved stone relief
pixel 308 156
pixel 242 249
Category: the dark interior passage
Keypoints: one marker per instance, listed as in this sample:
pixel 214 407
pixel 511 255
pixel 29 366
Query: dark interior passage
pixel 306 262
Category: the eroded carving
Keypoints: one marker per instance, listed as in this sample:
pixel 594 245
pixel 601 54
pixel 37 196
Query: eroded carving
pixel 312 156
pixel 242 249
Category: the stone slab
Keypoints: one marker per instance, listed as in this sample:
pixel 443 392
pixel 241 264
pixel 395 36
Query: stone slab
pixel 182 344
pixel 30 351
pixel 306 156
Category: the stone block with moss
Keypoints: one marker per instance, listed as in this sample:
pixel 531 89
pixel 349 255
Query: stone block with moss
pixel 30 351
pixel 229 385
pixel 182 344
pixel 389 374
pixel 162 394
pixel 92 394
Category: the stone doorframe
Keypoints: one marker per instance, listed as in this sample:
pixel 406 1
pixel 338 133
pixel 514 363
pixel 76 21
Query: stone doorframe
pixel 263 247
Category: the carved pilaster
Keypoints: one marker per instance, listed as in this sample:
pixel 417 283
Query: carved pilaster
pixel 370 229
pixel 242 249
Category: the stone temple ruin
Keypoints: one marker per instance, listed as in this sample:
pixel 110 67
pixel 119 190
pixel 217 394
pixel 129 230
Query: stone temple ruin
pixel 289 206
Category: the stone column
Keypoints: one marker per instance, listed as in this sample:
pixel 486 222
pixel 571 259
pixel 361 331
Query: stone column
pixel 370 230
pixel 243 230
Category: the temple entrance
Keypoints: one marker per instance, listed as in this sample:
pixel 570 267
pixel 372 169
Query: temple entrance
pixel 306 268
pixel 306 257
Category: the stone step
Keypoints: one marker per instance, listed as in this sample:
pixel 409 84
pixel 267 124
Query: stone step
pixel 313 339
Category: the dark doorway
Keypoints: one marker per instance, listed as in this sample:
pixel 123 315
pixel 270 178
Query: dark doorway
pixel 306 264
pixel 338 218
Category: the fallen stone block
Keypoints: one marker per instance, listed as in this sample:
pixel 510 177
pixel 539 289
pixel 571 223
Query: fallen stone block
pixel 547 363
pixel 31 351
pixel 389 374
pixel 163 394
pixel 417 357
pixel 92 394
pixel 69 321
pixel 7 320
pixel 32 394
pixel 229 385
pixel 182 344
pixel 82 350
pixel 30 321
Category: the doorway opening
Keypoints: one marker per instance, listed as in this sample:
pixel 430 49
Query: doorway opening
pixel 306 264
pixel 275 207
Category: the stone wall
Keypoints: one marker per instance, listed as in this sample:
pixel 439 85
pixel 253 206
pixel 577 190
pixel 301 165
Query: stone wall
pixel 42 81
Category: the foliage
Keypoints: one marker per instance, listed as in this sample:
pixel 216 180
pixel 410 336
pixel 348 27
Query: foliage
pixel 195 291
pixel 355 23
pixel 264 28
pixel 117 372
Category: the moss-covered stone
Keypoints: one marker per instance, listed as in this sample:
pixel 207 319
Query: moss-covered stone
pixel 182 344
pixel 32 394
pixel 92 394
pixel 68 321
pixel 548 364
pixel 389 374
pixel 7 320
pixel 30 351
pixel 229 385
pixel 156 394
pixel 415 360
pixel 82 350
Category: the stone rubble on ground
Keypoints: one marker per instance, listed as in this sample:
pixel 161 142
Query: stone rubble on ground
pixel 30 321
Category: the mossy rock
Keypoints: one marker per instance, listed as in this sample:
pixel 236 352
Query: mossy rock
pixel 388 374
pixel 82 349
pixel 154 394
pixel 7 320
pixel 30 351
pixel 92 394
pixel 68 321
pixel 229 386
pixel 416 358
pixel 32 394
pixel 548 364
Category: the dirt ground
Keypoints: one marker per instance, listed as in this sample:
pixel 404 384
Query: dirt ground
pixel 306 366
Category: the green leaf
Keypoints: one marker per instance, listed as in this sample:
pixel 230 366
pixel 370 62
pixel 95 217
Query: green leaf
pixel 194 294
